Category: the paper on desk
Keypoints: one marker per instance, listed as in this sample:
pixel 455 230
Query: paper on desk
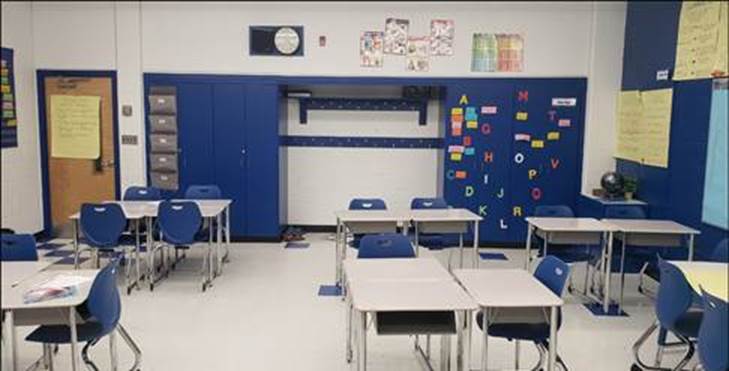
pixel 59 286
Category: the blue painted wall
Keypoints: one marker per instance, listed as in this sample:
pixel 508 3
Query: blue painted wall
pixel 675 192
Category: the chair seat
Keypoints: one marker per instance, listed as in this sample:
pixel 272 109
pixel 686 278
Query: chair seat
pixel 533 331
pixel 61 334
pixel 689 323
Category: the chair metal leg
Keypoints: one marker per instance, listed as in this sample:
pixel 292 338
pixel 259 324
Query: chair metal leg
pixel 132 345
pixel 445 352
pixel 85 356
pixel 516 354
pixel 112 352
pixel 587 276
pixel 639 364
pixel 48 357
pixel 542 354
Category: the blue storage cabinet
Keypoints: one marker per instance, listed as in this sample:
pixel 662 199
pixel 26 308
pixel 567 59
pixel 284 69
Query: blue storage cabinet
pixel 228 131
pixel 508 175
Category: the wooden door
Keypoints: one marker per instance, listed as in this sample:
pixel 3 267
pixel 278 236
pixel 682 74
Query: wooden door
pixel 72 182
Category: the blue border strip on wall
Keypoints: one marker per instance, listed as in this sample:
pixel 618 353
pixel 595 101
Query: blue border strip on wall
pixel 361 142
pixel 43 133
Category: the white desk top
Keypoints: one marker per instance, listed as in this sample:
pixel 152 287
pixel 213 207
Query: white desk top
pixel 15 272
pixel 142 209
pixel 12 298
pixel 568 224
pixel 713 277
pixel 390 296
pixel 515 288
pixel 444 215
pixel 347 216
pixel 412 269
pixel 649 226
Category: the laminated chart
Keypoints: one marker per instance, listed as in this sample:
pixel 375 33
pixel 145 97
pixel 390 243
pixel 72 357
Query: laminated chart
pixel 9 113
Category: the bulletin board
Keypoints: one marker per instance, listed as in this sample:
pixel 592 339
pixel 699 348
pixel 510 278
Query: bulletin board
pixel 9 127
pixel 511 145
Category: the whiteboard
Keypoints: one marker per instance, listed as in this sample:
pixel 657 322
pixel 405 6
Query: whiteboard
pixel 716 190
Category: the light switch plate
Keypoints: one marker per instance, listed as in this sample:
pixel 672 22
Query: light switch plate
pixel 127 110
pixel 129 140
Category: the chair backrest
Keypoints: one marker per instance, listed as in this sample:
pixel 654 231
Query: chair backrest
pixel 367 204
pixel 428 203
pixel 18 247
pixel 179 221
pixel 555 211
pixel 102 224
pixel 713 334
pixel 674 294
pixel 385 245
pixel 104 303
pixel 553 273
pixel 203 192
pixel 135 193
pixel 721 251
pixel 625 212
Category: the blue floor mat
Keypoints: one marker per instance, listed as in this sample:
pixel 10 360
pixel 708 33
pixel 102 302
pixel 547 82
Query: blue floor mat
pixel 492 256
pixel 296 245
pixel 330 290
pixel 597 310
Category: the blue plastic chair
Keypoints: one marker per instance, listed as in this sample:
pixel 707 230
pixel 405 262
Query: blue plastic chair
pixel 136 193
pixel 364 204
pixel 674 311
pixel 567 253
pixel 179 223
pixel 721 251
pixel 385 245
pixel 554 274
pixel 18 247
pixel 713 334
pixel 203 192
pixel 432 241
pixel 102 226
pixel 101 312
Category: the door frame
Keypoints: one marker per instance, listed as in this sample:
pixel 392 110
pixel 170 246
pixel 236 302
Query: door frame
pixel 43 132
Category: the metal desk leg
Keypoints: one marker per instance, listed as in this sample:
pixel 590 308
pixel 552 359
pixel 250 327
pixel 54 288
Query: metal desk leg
pixel 528 246
pixel 137 253
pixel 607 269
pixel 75 243
pixel 219 244
pixel 691 247
pixel 445 352
pixel 467 341
pixel 13 339
pixel 552 339
pixel 112 351
pixel 485 345
pixel 348 352
pixel 417 239
pixel 337 241
pixel 475 244
pixel 226 257
pixel 622 275
pixel 460 252
pixel 74 338
pixel 460 329
pixel 362 342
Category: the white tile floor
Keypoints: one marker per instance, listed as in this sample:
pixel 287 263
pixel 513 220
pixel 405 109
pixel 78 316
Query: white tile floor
pixel 263 313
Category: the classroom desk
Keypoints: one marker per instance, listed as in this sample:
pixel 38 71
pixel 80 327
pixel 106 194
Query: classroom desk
pixel 372 296
pixel 582 231
pixel 446 221
pixel 645 232
pixel 419 269
pixel 509 288
pixel 362 221
pixel 713 277
pixel 15 272
pixel 12 303
pixel 135 212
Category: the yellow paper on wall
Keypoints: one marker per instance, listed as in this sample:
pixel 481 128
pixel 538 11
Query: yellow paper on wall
pixel 656 126
pixel 553 135
pixel 698 34
pixel 456 111
pixel 456 156
pixel 471 124
pixel 522 116
pixel 629 111
pixel 721 66
pixel 75 126
pixel 537 143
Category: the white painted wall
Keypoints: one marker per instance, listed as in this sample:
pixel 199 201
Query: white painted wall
pixel 562 40
pixel 21 187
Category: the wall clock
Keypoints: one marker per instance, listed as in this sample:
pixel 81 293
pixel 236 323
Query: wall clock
pixel 285 41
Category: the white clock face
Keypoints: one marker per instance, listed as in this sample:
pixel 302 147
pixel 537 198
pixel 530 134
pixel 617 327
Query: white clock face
pixel 286 40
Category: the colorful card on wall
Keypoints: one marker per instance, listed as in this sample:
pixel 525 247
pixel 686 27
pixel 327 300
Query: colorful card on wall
pixel 564 123
pixel 510 52
pixel 456 156
pixel 467 141
pixel 537 143
pixel 461 174
pixel 522 137
pixel 456 131
pixel 417 57
pixel 484 52
pixel 456 111
pixel 488 110
pixel 470 151
pixel 553 135
pixel 396 35
pixel 471 114
pixel 472 124
pixel 442 33
pixel 371 49
pixel 456 149
pixel 7 88
pixel 522 116
pixel 564 102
